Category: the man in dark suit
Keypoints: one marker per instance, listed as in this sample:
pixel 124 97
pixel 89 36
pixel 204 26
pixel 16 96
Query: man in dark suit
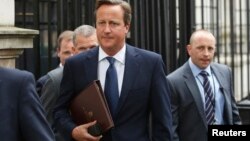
pixel 22 116
pixel 141 89
pixel 190 100
pixel 84 38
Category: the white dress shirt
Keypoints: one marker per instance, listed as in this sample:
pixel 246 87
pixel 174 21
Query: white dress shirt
pixel 103 65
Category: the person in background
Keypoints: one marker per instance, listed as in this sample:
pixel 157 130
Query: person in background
pixel 139 83
pixel 22 115
pixel 201 91
pixel 65 49
pixel 84 38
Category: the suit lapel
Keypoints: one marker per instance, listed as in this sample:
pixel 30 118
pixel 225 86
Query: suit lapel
pixel 219 75
pixel 226 94
pixel 131 70
pixel 92 64
pixel 195 92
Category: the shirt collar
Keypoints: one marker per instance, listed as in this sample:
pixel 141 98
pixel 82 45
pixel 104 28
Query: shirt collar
pixel 196 70
pixel 60 65
pixel 119 56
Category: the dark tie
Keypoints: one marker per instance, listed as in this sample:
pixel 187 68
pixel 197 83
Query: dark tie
pixel 209 98
pixel 111 86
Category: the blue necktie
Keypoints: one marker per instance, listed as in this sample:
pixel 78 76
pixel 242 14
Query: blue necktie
pixel 111 86
pixel 209 98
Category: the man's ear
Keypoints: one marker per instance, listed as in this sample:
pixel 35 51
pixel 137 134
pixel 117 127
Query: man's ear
pixel 74 50
pixel 127 28
pixel 188 47
pixel 57 52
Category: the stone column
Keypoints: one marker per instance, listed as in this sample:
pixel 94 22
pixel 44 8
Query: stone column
pixel 13 40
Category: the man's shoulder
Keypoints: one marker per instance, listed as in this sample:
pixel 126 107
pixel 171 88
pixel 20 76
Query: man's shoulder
pixel 219 65
pixel 145 54
pixel 179 72
pixel 14 73
pixel 43 79
pixel 16 76
pixel 143 51
pixel 56 74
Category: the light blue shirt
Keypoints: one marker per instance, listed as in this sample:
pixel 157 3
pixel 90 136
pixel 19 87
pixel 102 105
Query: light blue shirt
pixel 219 98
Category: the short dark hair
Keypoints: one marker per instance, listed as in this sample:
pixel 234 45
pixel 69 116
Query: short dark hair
pixel 125 6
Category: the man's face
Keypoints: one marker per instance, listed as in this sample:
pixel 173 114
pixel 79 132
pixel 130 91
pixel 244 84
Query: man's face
pixel 202 50
pixel 65 51
pixel 111 29
pixel 85 43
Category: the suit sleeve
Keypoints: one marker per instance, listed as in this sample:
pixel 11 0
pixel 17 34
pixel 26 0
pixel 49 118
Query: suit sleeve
pixel 33 123
pixel 61 115
pixel 175 112
pixel 48 99
pixel 236 116
pixel 161 106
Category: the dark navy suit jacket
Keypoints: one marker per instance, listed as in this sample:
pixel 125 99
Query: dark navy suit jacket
pixel 144 92
pixel 22 116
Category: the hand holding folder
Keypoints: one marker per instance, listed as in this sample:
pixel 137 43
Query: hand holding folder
pixel 89 105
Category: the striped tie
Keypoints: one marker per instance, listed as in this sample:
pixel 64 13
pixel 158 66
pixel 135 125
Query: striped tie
pixel 209 98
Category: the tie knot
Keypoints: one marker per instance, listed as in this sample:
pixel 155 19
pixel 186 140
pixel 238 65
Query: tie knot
pixel 204 74
pixel 111 60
